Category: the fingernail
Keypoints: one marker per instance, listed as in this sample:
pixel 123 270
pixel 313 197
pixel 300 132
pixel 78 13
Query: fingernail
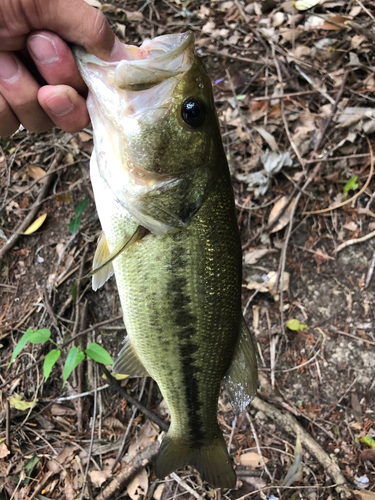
pixel 59 105
pixel 9 68
pixel 43 49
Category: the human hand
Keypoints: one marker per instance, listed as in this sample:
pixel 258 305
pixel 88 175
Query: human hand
pixel 24 38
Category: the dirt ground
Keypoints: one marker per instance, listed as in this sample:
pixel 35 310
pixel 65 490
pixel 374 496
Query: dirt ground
pixel 295 99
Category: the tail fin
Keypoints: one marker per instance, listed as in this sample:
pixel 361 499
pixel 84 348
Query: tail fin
pixel 211 460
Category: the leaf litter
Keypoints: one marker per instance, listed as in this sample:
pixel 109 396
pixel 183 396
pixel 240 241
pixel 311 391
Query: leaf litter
pixel 299 86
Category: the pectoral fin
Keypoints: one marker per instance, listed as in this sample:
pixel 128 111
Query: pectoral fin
pixel 241 380
pixel 101 255
pixel 138 234
pixel 128 362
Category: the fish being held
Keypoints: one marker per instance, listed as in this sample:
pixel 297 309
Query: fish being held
pixel 165 201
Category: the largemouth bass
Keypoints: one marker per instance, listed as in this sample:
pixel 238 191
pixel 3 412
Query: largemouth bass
pixel 165 202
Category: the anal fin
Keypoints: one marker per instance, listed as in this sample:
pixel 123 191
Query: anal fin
pixel 128 362
pixel 241 380
pixel 101 255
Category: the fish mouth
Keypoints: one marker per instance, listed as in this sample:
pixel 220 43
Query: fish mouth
pixel 143 67
pixel 141 84
pixel 159 59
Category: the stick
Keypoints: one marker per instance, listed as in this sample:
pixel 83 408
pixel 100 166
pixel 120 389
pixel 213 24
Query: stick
pixel 289 424
pixel 117 485
pixel 113 382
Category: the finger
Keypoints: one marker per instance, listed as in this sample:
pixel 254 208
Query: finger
pixel 54 60
pixel 8 121
pixel 75 21
pixel 20 91
pixel 66 108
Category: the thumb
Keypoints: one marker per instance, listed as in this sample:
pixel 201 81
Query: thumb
pixel 75 21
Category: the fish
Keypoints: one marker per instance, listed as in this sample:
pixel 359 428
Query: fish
pixel 165 201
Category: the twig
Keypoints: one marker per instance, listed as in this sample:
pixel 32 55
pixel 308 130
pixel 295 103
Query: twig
pixel 289 424
pixel 121 449
pixel 370 271
pixel 286 126
pixel 338 158
pixel 332 114
pixel 92 435
pixel 7 424
pixel 350 200
pixel 348 243
pixel 257 445
pixel 185 486
pixel 31 215
pixel 74 396
pixel 359 339
pixel 113 382
pixel 238 58
pixel 119 482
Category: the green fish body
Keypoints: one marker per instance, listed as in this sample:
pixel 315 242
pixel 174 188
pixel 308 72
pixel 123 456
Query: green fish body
pixel 166 205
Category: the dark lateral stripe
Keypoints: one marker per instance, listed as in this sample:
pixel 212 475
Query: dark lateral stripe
pixel 186 330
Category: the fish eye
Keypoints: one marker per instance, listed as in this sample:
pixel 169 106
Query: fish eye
pixel 193 112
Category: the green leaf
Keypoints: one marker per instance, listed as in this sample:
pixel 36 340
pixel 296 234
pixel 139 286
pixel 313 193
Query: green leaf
pixel 40 336
pixel 81 207
pixel 49 361
pixel 74 292
pixel 351 184
pixel 368 441
pixel 21 344
pixel 74 357
pixel 99 354
pixel 30 464
pixel 74 225
pixel 296 325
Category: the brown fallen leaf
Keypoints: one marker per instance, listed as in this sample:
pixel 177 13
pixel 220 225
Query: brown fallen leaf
pixel 4 451
pixel 36 173
pixel 98 477
pixel 138 487
pixel 276 209
pixel 251 459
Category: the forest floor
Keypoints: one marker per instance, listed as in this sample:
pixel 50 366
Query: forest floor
pixel 295 94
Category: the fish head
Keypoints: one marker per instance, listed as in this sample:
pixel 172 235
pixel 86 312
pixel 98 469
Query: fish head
pixel 155 126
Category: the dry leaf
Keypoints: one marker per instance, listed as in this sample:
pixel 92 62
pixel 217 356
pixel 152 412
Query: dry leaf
pixel 364 495
pixel 98 477
pixel 3 450
pixel 36 224
pixel 84 137
pixel 251 459
pixel 276 209
pixel 159 491
pixel 94 3
pixel 138 487
pixel 36 173
pixel 305 4
pixel 351 226
pixel 113 423
pixel 268 138
pixel 255 255
pixel 19 404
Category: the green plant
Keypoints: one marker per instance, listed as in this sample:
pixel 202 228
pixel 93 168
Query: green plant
pixel 76 221
pixel 74 354
pixel 350 185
